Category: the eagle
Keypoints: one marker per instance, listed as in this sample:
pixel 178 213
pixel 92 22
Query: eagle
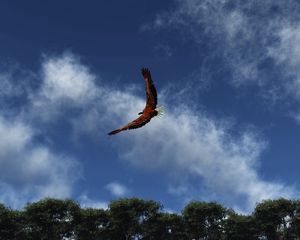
pixel 150 109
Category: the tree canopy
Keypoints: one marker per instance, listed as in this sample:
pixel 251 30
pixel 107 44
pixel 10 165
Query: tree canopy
pixel 134 218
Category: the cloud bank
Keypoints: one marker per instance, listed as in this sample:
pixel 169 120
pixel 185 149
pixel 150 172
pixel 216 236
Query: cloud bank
pixel 190 147
pixel 30 167
pixel 31 170
pixel 198 151
pixel 202 156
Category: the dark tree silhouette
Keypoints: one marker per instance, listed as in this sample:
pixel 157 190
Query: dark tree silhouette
pixel 165 226
pixel 273 217
pixel 294 229
pixel 133 218
pixel 51 219
pixel 204 220
pixel 92 224
pixel 127 216
pixel 11 224
pixel 239 227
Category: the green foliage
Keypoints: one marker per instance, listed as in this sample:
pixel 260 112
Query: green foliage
pixel 134 219
pixel 294 229
pixel 273 217
pixel 241 227
pixel 51 219
pixel 165 226
pixel 10 224
pixel 127 216
pixel 204 220
pixel 92 224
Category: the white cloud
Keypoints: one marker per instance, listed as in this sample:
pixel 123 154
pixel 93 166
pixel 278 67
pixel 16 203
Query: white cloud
pixel 65 77
pixel 66 83
pixel 248 36
pixel 186 145
pixel 86 202
pixel 117 189
pixel 287 53
pixel 31 171
pixel 190 147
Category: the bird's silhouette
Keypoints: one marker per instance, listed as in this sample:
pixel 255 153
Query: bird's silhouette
pixel 150 109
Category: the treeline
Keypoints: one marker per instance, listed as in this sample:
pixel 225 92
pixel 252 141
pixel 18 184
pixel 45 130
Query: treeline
pixel 135 218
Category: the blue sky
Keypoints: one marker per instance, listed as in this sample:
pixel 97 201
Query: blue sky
pixel 227 73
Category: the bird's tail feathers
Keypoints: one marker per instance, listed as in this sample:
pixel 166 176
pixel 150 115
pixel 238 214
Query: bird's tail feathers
pixel 160 111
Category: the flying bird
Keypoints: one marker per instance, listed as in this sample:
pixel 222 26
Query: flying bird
pixel 150 109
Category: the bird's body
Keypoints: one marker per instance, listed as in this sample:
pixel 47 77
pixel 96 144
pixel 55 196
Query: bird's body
pixel 150 109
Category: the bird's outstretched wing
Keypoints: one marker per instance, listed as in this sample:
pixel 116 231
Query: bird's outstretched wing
pixel 137 123
pixel 151 103
pixel 150 90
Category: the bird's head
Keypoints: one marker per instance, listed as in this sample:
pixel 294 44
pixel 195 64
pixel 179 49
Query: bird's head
pixel 159 111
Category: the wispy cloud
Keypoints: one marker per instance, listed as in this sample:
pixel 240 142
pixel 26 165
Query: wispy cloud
pixel 87 202
pixel 15 81
pixel 196 148
pixel 286 54
pixel 163 51
pixel 257 42
pixel 117 189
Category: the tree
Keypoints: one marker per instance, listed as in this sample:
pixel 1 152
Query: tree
pixel 51 219
pixel 92 224
pixel 273 217
pixel 294 230
pixel 204 220
pixel 11 226
pixel 133 219
pixel 165 226
pixel 241 227
pixel 127 217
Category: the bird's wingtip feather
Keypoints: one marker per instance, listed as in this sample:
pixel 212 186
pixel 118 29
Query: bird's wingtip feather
pixel 114 132
pixel 145 72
